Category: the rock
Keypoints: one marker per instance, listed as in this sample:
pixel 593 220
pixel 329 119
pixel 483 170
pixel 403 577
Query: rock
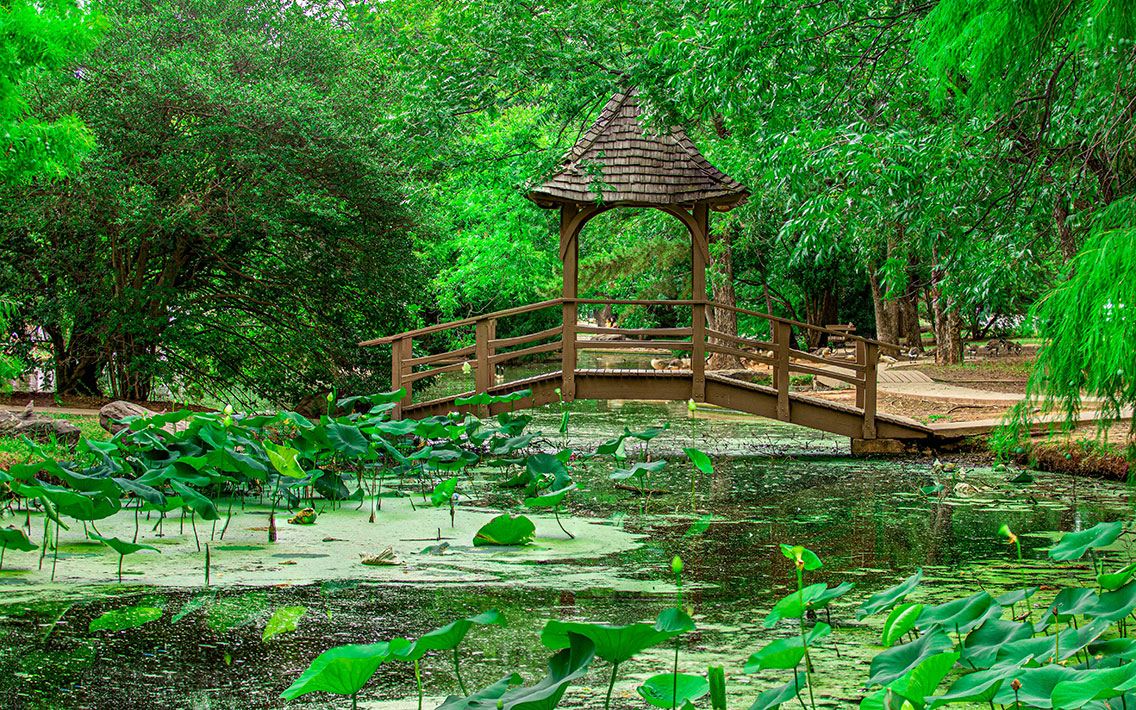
pixel 28 424
pixel 110 414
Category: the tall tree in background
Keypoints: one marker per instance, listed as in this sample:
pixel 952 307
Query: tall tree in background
pixel 241 224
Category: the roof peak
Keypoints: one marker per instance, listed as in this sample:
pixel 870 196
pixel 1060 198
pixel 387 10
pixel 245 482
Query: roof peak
pixel 618 161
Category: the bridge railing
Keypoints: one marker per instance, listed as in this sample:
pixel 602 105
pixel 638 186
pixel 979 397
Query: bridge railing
pixel 779 353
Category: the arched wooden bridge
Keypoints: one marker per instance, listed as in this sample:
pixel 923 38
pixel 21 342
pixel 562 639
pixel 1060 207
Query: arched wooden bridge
pixel 565 379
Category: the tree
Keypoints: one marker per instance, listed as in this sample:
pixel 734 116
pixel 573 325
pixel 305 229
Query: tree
pixel 37 38
pixel 241 224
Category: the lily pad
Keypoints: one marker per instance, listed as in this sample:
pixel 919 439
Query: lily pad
pixel 1073 546
pixel 671 690
pixel 506 530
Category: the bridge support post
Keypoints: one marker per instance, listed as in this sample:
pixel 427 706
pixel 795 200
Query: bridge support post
pixel 401 352
pixel 483 378
pixel 569 255
pixel 700 256
pixel 782 343
pixel 871 361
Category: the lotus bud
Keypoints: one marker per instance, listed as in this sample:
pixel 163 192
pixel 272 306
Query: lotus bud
pixel 1016 684
pixel 676 565
pixel 557 390
pixel 330 396
pixel 1011 537
pixel 691 406
pixel 466 368
pixel 228 409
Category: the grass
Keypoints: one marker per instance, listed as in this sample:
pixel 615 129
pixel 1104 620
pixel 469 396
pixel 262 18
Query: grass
pixel 15 451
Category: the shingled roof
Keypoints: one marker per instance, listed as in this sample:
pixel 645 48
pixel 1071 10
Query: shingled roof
pixel 636 167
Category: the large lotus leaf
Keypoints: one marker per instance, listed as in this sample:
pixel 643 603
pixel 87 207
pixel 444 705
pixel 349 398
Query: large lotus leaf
pixel 484 699
pixel 613 447
pixel 807 558
pixel 881 601
pixel 1051 648
pixel 700 460
pixel 448 637
pixel 14 539
pixel 542 464
pixel 961 615
pixel 785 653
pixel 550 500
pixel 347 439
pixel 898 660
pixel 899 621
pixel 982 644
pixel 402 427
pixel 505 529
pixel 1069 602
pixel 617 644
pixel 1015 596
pixel 1037 685
pixel 127 618
pixel 284 620
pixel 1122 649
pixel 195 501
pixel 914 686
pixel 123 547
pixel 94 508
pixel 671 690
pixel 1073 546
pixel 775 697
pixel 229 460
pixel 343 670
pixel 648 433
pixel 638 469
pixel 143 491
pixel 565 666
pixel 1113 606
pixel 284 460
pixel 1115 580
pixel 1096 684
pixel 979 687
pixel 815 596
pixel 444 491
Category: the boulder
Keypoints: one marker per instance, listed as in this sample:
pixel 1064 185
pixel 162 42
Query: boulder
pixel 111 413
pixel 28 423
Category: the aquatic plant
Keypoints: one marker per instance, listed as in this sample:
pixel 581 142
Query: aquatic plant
pixel 123 548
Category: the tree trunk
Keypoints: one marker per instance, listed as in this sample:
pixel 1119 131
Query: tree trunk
pixel 887 311
pixel 948 323
pixel 1066 240
pixel 78 360
pixel 722 290
pixel 820 310
pixel 909 315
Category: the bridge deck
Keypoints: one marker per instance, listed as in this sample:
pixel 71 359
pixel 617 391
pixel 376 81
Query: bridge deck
pixel 727 392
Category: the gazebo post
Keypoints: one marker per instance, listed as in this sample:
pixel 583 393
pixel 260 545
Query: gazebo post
pixel 569 256
pixel 700 255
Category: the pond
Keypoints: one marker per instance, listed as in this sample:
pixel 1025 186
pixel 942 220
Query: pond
pixel 868 520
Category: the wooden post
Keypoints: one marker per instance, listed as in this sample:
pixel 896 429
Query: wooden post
pixel 862 360
pixel 569 254
pixel 483 377
pixel 872 359
pixel 700 254
pixel 401 352
pixel 782 341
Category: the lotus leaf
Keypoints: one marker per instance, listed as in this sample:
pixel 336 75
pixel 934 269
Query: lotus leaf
pixel 565 666
pixel 671 690
pixel 898 660
pixel 901 620
pixel 127 618
pixel 961 615
pixel 881 601
pixel 448 637
pixel 343 670
pixel 700 460
pixel 484 699
pixel 785 653
pixel 982 644
pixel 815 596
pixel 505 529
pixel 1073 546
pixel 284 620
pixel 617 644
pixel 775 697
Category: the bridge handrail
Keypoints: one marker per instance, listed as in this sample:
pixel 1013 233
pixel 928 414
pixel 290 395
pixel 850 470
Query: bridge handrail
pixel 427 330
pixel 798 324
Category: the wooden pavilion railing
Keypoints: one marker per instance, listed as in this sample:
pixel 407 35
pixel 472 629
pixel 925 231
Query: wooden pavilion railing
pixel 488 351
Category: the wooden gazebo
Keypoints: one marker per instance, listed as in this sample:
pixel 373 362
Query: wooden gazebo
pixel 621 162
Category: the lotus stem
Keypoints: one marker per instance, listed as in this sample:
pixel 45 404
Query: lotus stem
pixel 120 558
pixel 3 549
pixel 55 554
pixel 457 673
pixel 418 682
pixel 556 514
pixel 193 524
pixel 611 686
pixel 228 519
